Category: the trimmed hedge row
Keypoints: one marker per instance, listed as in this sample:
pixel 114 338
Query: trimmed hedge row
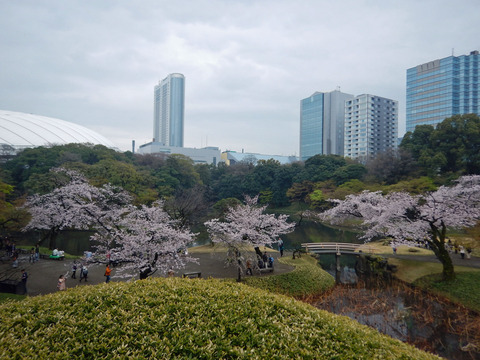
pixel 178 318
pixel 307 279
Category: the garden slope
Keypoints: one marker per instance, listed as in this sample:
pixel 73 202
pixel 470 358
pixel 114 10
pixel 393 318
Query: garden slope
pixel 184 318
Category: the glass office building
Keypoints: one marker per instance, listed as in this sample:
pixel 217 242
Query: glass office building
pixel 169 108
pixel 322 124
pixel 441 88
pixel 371 126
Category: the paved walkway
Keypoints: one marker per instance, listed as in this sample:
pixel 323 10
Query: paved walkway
pixel 456 259
pixel 43 275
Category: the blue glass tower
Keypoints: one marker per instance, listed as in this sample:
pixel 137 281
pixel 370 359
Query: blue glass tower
pixel 169 108
pixel 322 124
pixel 441 88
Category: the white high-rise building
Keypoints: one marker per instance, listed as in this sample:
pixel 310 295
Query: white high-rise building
pixel 169 109
pixel 371 126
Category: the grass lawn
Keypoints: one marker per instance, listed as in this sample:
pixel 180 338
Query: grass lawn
pixel 411 270
pixel 465 289
pixel 379 248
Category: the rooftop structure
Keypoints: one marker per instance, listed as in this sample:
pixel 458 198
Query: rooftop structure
pixel 20 130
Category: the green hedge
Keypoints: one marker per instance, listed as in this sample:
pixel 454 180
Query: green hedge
pixel 307 279
pixel 178 318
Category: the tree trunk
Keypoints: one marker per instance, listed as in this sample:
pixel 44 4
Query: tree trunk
pixel 448 271
pixel 438 246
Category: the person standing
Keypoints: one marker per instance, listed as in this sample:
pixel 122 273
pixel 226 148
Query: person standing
pixel 249 267
pixel 32 256
pixel 108 271
pixel 61 285
pixel 81 272
pixel 280 247
pixel 84 272
pixel 37 252
pixel 24 279
pixel 74 270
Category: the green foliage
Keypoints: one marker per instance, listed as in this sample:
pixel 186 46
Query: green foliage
pixel 415 186
pixel 320 168
pixel 299 191
pixel 4 297
pixel 453 146
pixel 349 172
pixel 40 160
pixel 178 318
pixel 12 218
pixel 463 290
pixel 221 207
pixel 354 186
pixel 308 279
pixel 316 199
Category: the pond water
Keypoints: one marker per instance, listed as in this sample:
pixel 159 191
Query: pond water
pixel 428 322
pixel 310 231
pixel 72 242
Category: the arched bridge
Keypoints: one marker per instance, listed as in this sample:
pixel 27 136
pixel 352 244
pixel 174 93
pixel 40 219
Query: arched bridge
pixel 337 248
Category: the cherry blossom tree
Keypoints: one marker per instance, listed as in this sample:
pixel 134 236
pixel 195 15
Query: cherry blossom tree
pixel 74 204
pixel 409 219
pixel 246 225
pixel 144 240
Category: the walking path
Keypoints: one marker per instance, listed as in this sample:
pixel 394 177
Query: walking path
pixel 43 275
pixel 456 259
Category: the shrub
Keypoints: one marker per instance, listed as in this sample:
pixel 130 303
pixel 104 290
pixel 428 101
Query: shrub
pixel 184 318
pixel 307 279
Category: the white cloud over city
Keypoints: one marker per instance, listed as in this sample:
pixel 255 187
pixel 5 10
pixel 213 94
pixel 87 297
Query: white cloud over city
pixel 247 64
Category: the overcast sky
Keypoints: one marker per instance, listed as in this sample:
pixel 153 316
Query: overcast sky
pixel 247 63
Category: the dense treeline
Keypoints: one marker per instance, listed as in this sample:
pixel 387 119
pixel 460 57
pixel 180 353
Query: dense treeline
pixel 425 159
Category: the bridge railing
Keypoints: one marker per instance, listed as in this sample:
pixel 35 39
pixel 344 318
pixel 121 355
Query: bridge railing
pixel 337 248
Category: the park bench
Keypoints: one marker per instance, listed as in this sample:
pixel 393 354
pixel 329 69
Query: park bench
pixel 51 257
pixel 265 270
pixel 192 275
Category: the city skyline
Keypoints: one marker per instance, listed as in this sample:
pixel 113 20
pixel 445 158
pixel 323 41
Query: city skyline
pixel 248 64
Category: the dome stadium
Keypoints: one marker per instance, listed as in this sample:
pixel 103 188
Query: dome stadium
pixel 20 130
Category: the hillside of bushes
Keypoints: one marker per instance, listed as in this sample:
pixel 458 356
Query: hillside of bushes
pixel 306 280
pixel 184 318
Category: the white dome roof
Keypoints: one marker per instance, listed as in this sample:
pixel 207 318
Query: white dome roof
pixel 21 130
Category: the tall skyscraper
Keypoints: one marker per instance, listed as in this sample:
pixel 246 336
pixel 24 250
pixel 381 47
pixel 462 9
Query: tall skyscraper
pixel 169 108
pixel 371 124
pixel 441 88
pixel 322 124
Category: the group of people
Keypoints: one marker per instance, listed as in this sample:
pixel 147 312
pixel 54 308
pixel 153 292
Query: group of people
pixel 263 262
pixel 83 273
pixel 458 249
pixel 11 251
